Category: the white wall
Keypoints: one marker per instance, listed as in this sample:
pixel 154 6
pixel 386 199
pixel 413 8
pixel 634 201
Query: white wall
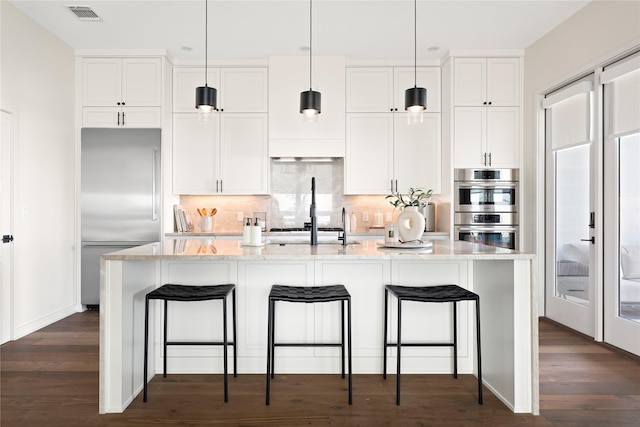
pixel 599 31
pixel 37 85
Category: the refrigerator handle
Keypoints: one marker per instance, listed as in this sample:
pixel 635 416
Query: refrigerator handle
pixel 154 187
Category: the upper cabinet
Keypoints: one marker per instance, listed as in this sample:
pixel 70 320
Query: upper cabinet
pixel 289 136
pixel 486 82
pixel 121 92
pixel 486 112
pixel 381 89
pixel 240 90
pixel 226 154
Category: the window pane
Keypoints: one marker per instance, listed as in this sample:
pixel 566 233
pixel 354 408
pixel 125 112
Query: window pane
pixel 572 223
pixel 629 223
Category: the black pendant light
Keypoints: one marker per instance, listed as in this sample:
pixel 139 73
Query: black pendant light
pixel 310 99
pixel 205 95
pixel 415 98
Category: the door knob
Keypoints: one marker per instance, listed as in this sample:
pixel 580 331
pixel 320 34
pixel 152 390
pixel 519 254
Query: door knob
pixel 592 240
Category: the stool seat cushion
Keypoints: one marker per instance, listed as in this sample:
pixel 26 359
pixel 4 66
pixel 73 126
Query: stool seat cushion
pixel 309 294
pixel 190 293
pixel 440 293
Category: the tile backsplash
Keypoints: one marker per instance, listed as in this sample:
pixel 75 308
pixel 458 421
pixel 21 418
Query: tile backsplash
pixel 288 204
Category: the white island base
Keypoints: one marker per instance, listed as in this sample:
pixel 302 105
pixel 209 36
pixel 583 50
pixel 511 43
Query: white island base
pixel 502 278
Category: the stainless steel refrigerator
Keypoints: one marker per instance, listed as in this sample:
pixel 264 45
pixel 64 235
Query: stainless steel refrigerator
pixel 120 200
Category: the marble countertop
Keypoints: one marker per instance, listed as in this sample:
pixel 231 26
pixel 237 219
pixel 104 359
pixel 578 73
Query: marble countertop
pixel 219 249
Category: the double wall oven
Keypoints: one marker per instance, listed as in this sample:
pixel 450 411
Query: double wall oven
pixel 486 206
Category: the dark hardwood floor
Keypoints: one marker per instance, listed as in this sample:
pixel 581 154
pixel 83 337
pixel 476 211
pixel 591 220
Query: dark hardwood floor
pixel 50 378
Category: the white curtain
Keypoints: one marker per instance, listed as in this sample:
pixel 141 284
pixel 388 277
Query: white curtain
pixel 622 90
pixel 570 113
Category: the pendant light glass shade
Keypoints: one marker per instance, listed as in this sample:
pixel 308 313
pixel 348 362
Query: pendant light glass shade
pixel 206 97
pixel 310 100
pixel 415 98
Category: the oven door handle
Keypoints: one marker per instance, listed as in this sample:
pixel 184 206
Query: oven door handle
pixel 490 185
pixel 493 228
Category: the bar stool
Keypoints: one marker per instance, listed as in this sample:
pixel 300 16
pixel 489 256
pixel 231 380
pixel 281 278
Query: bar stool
pixel 442 293
pixel 307 294
pixel 170 292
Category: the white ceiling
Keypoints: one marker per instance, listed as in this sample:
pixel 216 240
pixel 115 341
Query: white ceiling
pixel 357 29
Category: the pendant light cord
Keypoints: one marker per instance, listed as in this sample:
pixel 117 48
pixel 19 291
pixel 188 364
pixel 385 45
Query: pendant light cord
pixel 206 39
pixel 415 43
pixel 310 40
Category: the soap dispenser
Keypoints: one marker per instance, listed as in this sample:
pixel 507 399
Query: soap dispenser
pixel 246 232
pixel 256 233
pixel 352 223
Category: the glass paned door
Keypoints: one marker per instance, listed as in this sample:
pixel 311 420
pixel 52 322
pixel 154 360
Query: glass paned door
pixel 570 286
pixel 622 243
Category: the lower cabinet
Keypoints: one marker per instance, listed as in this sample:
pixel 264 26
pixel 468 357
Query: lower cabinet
pixel 384 153
pixel 225 155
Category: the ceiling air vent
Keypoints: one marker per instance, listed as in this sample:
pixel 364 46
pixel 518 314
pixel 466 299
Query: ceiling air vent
pixel 84 13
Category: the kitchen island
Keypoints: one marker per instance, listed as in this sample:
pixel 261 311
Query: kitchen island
pixel 501 277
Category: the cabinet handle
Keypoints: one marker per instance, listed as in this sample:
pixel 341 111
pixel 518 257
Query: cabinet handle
pixel 489 159
pixel 484 159
pixel 221 186
pixel 123 118
pixel 489 102
pixel 217 185
pixel 484 103
pixel 123 103
pixel 118 118
pixel 117 103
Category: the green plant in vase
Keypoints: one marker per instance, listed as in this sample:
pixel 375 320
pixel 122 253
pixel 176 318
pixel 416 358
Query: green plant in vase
pixel 410 221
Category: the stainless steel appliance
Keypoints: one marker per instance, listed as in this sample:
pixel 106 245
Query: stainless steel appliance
pixel 120 197
pixel 486 206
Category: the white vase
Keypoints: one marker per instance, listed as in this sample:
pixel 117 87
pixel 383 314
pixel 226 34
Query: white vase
pixel 207 223
pixel 410 224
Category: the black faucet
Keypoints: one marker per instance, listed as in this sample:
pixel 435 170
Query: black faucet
pixel 312 213
pixel 344 228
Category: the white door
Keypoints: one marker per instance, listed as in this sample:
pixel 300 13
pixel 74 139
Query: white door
pixel 571 177
pixel 622 205
pixel 6 305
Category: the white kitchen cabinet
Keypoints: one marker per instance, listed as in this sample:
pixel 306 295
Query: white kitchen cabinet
pixel 123 117
pixel 240 90
pixel 289 136
pixel 111 82
pixel 486 82
pixel 384 153
pixel 225 155
pixel 487 137
pixel 121 92
pixel 382 89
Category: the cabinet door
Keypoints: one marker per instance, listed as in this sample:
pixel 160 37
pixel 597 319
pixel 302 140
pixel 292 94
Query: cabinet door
pixel 115 117
pixel 101 82
pixel 503 82
pixel 417 158
pixel 369 90
pixel 195 151
pixel 244 161
pixel 142 82
pixel 503 137
pixel 469 136
pixel 243 90
pixel 469 82
pixel 368 163
pixel 185 82
pixel 427 77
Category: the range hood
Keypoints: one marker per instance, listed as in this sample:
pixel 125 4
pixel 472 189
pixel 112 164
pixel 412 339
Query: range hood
pixel 289 136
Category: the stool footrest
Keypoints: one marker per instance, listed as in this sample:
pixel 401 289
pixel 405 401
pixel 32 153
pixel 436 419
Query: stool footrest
pixel 418 344
pixel 293 344
pixel 197 343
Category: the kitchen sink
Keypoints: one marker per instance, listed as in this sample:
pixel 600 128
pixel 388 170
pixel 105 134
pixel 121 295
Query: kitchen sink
pixel 284 242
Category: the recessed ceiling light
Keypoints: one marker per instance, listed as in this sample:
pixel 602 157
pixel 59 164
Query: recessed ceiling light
pixel 187 48
pixel 304 48
pixel 433 48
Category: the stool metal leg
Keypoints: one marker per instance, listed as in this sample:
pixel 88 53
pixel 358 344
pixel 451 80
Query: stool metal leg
pixel 478 350
pixel 398 346
pixel 224 348
pixel 273 339
pixel 384 338
pixel 349 348
pixel 235 334
pixel 455 340
pixel 269 342
pixel 146 347
pixel 342 335
pixel 164 361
